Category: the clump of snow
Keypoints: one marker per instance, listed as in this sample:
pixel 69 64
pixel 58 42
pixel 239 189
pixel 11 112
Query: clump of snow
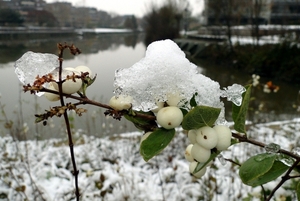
pixel 163 71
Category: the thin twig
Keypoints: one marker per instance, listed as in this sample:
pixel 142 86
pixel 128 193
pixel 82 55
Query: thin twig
pixel 71 145
pixel 244 138
pixel 232 161
pixel 283 179
pixel 87 101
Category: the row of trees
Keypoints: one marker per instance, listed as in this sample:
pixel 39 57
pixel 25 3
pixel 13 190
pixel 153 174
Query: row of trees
pixel 230 13
pixel 236 12
pixel 8 16
pixel 165 21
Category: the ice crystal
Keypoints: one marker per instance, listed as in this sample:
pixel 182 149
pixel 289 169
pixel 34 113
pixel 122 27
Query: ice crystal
pixel 32 64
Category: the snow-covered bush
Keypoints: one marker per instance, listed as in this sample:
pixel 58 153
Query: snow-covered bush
pixel 158 94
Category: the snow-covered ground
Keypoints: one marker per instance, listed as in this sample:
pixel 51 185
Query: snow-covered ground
pixel 111 168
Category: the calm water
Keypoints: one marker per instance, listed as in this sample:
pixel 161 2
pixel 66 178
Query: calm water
pixel 104 54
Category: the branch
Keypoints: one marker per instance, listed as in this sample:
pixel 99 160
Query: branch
pixel 244 138
pixel 283 179
pixel 86 100
pixel 71 145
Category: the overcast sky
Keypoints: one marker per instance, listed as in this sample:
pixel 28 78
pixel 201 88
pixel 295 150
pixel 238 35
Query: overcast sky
pixel 123 7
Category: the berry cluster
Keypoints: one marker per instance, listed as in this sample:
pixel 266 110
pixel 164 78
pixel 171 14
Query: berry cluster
pixel 203 140
pixel 170 116
pixel 69 86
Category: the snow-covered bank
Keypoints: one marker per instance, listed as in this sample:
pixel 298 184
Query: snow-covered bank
pixel 112 169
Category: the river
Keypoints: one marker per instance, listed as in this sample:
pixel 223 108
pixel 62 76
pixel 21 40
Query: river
pixel 104 54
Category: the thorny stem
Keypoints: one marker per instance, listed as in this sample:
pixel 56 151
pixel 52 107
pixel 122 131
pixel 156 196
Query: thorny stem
pixel 71 145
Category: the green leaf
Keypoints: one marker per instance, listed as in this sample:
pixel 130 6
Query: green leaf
pixel 261 169
pixel 200 116
pixel 87 82
pixel 199 166
pixel 193 102
pixel 141 123
pixel 156 142
pixel 278 168
pixel 298 190
pixel 184 111
pixel 239 113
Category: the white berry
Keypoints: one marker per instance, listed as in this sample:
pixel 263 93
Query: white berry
pixel 169 117
pixel 200 153
pixel 84 69
pixel 173 99
pixel 51 96
pixel 192 136
pixel 198 174
pixel 159 105
pixel 121 102
pixel 188 153
pixel 207 137
pixel 224 137
pixel 69 86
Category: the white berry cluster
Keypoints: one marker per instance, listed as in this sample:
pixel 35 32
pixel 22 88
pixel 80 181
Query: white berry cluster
pixel 168 114
pixel 203 140
pixel 69 86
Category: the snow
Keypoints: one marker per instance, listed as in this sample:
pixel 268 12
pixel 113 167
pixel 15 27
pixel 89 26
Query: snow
pixel 102 30
pixel 233 93
pixel 111 168
pixel 165 71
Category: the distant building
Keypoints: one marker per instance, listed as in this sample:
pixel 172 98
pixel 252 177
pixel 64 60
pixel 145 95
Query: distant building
pixel 285 12
pixel 78 17
pixel 23 4
pixel 62 14
pixel 243 12
pixel 62 11
pixel 26 8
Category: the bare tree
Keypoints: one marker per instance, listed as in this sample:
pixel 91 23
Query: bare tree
pixel 221 13
pixel 256 19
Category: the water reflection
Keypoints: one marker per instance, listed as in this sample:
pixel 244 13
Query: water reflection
pixel 103 54
pixel 264 107
pixel 11 50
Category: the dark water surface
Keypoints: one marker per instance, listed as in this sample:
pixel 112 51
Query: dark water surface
pixel 104 54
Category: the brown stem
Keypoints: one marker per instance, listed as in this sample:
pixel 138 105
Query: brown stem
pixel 244 138
pixel 232 161
pixel 85 100
pixel 71 145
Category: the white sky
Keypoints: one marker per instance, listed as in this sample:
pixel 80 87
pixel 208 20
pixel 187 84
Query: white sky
pixel 123 7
